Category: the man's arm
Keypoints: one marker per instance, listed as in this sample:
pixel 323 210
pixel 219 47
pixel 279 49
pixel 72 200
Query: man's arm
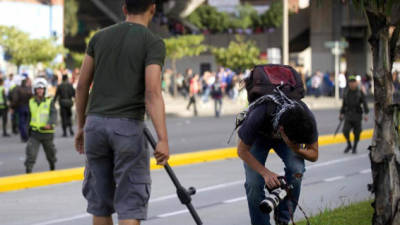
pixel 53 115
pixel 155 108
pixel 270 178
pixel 344 107
pixel 365 104
pixel 82 95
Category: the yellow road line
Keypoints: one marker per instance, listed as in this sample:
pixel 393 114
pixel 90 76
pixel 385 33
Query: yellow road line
pixel 19 182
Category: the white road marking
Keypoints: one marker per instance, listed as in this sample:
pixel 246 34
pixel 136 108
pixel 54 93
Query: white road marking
pixel 365 171
pixel 334 178
pixel 219 186
pixel 63 220
pixel 235 200
pixel 345 159
pixel 173 213
pixel 215 187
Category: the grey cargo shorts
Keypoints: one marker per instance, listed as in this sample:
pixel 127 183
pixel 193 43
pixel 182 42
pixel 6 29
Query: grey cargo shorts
pixel 117 172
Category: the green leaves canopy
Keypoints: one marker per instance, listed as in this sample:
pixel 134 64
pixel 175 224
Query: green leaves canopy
pixel 26 51
pixel 208 17
pixel 186 45
pixel 71 8
pixel 239 55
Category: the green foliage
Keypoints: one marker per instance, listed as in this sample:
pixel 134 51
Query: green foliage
pixel 71 8
pixel 245 16
pixel 26 51
pixel 185 45
pixel 207 17
pixel 354 214
pixel 274 16
pixel 239 55
pixel 78 57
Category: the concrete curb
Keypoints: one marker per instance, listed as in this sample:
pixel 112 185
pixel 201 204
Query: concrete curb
pixel 19 182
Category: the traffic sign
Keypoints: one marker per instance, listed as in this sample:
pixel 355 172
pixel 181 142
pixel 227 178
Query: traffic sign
pixel 332 44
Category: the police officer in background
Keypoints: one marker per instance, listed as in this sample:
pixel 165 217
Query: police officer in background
pixel 351 112
pixel 43 116
pixel 64 94
pixel 3 108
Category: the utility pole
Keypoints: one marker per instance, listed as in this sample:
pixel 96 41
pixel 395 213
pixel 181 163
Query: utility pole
pixel 337 48
pixel 285 33
pixel 336 52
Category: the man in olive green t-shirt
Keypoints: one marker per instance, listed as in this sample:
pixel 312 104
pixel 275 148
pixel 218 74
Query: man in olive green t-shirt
pixel 123 65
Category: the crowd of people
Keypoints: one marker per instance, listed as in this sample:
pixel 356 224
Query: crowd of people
pixel 206 86
pixel 323 84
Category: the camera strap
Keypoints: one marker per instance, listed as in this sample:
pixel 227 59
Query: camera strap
pixel 301 209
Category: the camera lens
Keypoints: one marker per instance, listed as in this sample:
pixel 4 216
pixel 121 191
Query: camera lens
pixel 268 204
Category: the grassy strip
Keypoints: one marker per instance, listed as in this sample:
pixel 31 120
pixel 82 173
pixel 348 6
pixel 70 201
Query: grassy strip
pixel 354 214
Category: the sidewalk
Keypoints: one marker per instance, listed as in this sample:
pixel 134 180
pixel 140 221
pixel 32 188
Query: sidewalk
pixel 176 107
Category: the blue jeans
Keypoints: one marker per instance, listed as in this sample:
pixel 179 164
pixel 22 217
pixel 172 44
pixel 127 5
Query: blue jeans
pixel 23 119
pixel 294 169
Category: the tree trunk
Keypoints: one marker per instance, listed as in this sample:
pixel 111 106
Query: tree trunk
pixel 384 157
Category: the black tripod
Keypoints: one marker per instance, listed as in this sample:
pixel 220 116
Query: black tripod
pixel 183 194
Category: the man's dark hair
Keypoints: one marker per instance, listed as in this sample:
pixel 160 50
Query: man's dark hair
pixel 298 125
pixel 1 81
pixel 64 77
pixel 138 6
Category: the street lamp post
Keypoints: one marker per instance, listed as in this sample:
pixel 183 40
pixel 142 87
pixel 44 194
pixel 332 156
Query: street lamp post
pixel 285 33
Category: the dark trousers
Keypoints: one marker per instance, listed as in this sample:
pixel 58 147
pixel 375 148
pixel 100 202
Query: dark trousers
pixel 192 101
pixel 32 149
pixel 354 125
pixel 14 122
pixel 4 116
pixel 23 114
pixel 66 114
pixel 217 106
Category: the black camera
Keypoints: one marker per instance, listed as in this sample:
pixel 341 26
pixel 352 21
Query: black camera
pixel 274 196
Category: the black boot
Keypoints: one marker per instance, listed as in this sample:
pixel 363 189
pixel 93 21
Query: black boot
pixel 71 131
pixel 28 170
pixel 52 166
pixel 355 148
pixel 348 148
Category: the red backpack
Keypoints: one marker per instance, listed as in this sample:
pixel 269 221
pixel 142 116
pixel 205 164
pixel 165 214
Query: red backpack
pixel 264 79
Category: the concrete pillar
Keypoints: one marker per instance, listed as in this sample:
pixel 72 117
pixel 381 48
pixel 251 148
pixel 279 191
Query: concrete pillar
pixel 321 32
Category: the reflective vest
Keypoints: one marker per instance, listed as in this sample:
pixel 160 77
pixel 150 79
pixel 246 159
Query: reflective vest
pixel 2 103
pixel 40 115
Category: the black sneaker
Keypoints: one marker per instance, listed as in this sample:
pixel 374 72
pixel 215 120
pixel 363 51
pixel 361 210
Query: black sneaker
pixel 6 135
pixel 52 166
pixel 354 151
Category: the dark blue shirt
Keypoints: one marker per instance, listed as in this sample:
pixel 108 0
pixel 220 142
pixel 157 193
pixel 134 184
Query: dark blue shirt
pixel 258 125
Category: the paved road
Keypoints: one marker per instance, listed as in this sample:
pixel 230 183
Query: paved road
pixel 186 135
pixel 334 180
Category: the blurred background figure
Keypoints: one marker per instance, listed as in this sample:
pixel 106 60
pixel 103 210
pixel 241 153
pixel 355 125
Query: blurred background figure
pixel 3 108
pixel 342 84
pixel 352 112
pixel 64 94
pixel 216 93
pixel 43 117
pixel 193 91
pixel 20 102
